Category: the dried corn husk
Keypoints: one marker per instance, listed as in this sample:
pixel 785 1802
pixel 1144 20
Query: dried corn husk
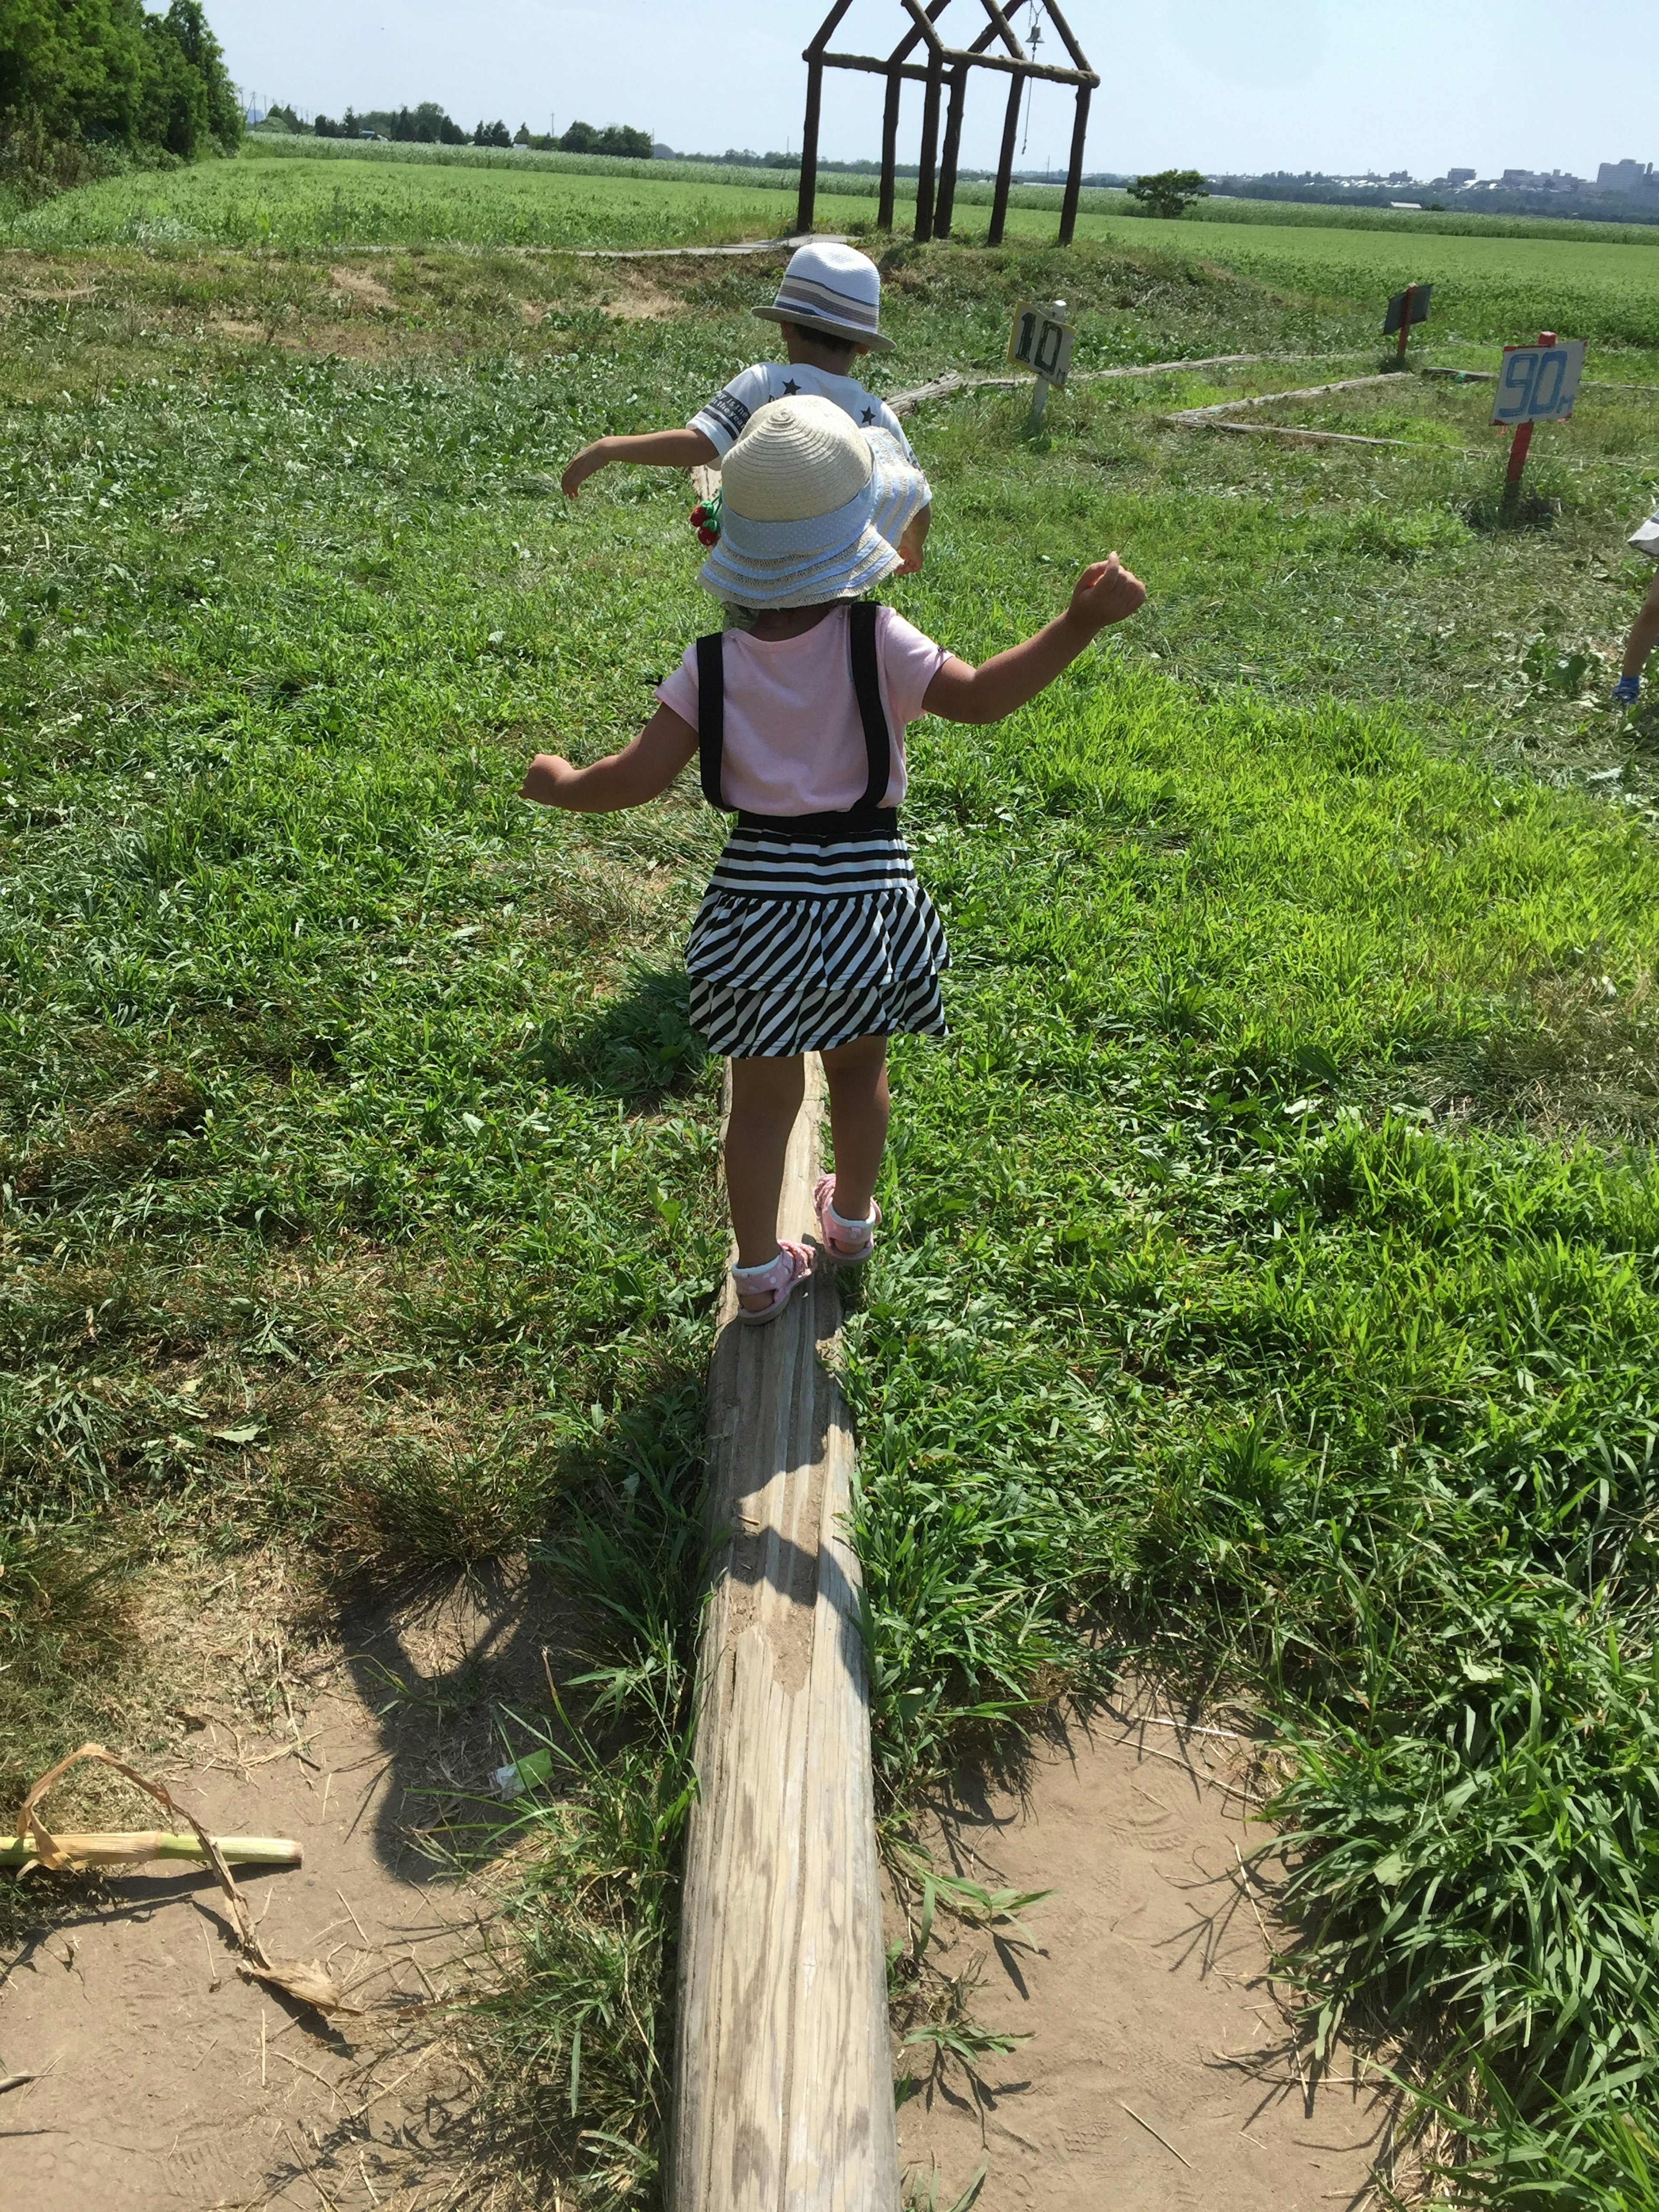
pixel 302 1979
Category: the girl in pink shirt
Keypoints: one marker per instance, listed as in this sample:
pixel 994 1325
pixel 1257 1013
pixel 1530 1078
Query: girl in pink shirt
pixel 814 935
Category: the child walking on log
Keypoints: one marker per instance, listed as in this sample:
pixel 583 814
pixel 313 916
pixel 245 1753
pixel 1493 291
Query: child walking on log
pixel 814 935
pixel 829 310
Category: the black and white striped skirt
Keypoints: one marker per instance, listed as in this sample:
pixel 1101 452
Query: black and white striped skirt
pixel 804 943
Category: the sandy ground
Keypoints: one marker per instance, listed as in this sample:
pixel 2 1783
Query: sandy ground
pixel 1160 2072
pixel 167 2080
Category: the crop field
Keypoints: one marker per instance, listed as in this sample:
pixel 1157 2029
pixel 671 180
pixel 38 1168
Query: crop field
pixel 1270 1283
pixel 972 192
pixel 1487 287
pixel 1484 288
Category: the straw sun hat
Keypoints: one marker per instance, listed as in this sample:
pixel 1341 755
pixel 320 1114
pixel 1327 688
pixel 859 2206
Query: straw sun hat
pixel 834 288
pixel 813 508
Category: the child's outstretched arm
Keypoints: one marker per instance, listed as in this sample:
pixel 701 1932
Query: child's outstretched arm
pixel 640 771
pixel 656 449
pixel 1105 592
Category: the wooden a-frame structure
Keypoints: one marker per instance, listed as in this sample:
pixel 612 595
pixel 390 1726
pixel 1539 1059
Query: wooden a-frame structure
pixel 997 47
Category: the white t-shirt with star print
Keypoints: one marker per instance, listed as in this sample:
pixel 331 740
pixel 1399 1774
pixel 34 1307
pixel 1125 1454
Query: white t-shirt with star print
pixel 722 420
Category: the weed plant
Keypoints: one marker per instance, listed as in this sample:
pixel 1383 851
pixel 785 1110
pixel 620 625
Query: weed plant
pixel 1273 1258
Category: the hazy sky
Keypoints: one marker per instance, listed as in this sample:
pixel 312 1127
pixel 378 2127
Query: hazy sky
pixel 1338 85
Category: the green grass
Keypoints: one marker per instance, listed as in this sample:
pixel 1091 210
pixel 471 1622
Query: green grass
pixel 1269 1285
pixel 971 193
pixel 1487 286
pixel 316 202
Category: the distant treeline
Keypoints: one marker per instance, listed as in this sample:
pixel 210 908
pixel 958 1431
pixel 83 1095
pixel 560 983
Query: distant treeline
pixel 429 124
pixel 87 87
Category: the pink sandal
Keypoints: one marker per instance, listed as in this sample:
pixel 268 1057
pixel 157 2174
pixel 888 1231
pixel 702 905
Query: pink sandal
pixel 778 1278
pixel 849 1244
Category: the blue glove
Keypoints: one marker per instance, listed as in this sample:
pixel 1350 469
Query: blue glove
pixel 1627 690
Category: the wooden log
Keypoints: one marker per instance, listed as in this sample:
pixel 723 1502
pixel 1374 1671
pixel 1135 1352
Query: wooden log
pixel 1074 170
pixel 928 167
pixel 785 2092
pixel 1005 163
pixel 1270 398
pixel 945 208
pixel 806 200
pixel 890 124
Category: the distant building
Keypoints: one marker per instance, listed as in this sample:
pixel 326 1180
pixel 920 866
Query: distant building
pixel 1624 176
pixel 1460 176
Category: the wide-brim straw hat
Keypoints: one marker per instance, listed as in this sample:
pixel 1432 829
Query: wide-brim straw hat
pixel 833 289
pixel 812 508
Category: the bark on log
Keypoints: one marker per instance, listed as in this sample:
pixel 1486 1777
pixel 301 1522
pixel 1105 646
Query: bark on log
pixel 785 2092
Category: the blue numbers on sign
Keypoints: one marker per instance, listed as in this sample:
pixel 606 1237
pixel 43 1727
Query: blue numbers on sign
pixel 1520 375
pixel 1549 374
pixel 1538 384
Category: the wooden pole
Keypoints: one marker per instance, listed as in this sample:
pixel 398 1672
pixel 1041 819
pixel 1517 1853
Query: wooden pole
pixel 1405 325
pixel 785 2092
pixel 1074 173
pixel 890 124
pixel 929 152
pixel 809 149
pixel 1520 446
pixel 947 175
pixel 1005 163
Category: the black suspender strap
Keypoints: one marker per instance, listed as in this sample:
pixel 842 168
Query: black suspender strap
pixel 866 686
pixel 711 713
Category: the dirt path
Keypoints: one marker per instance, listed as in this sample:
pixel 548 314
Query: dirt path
pixel 1158 2072
pixel 166 2079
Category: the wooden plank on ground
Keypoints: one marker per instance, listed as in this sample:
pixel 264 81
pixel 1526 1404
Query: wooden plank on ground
pixel 905 402
pixel 784 2091
pixel 1271 399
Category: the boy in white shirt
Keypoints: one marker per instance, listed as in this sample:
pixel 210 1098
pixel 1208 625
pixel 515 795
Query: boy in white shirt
pixel 829 307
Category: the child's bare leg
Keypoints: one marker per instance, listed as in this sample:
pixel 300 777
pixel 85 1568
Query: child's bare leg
pixel 1644 633
pixel 858 1109
pixel 766 1096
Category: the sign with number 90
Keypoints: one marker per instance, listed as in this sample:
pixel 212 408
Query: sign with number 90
pixel 1539 384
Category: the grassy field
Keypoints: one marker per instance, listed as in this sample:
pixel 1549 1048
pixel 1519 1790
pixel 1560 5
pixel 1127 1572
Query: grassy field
pixel 1487 287
pixel 971 192
pixel 1270 1284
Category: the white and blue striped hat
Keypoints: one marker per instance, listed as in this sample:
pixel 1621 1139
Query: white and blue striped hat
pixel 812 508
pixel 834 288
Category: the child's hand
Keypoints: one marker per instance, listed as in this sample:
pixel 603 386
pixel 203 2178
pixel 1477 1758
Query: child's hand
pixel 587 463
pixel 1105 592
pixel 545 778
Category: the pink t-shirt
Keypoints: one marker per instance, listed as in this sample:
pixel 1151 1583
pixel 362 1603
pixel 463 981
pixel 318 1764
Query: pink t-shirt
pixel 795 743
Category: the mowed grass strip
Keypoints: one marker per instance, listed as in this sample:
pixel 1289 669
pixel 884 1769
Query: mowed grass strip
pixel 1253 1296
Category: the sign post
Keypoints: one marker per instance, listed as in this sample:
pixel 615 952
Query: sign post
pixel 1042 340
pixel 1536 384
pixel 1407 307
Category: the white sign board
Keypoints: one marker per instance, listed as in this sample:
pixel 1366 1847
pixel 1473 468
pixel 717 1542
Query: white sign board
pixel 1040 342
pixel 1538 384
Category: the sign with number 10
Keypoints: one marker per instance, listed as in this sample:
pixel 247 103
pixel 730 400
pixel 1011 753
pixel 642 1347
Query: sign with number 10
pixel 1042 340
pixel 1537 383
